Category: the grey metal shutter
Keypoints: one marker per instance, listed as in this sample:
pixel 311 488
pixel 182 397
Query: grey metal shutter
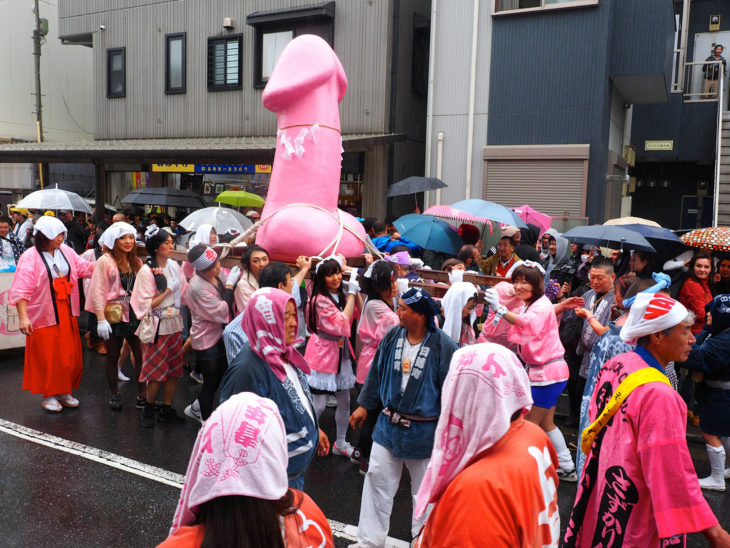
pixel 555 187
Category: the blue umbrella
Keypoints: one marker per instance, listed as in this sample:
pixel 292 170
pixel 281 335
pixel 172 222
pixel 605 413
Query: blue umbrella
pixel 489 210
pixel 613 236
pixel 429 233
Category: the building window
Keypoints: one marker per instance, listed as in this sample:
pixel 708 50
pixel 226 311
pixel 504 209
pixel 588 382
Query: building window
pixel 116 73
pixel 501 6
pixel 224 63
pixel 275 29
pixel 175 60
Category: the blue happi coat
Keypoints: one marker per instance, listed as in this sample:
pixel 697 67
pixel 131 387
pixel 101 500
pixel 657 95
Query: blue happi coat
pixel 249 373
pixel 422 395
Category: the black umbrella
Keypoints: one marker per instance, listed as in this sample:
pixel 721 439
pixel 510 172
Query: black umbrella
pixel 613 236
pixel 412 185
pixel 164 196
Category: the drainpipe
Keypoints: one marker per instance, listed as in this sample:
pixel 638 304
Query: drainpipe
pixel 429 100
pixel 439 162
pixel 472 99
pixel 684 37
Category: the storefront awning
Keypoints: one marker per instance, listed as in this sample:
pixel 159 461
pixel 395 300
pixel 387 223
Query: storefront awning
pixel 223 149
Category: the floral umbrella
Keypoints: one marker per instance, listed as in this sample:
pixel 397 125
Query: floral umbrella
pixel 717 238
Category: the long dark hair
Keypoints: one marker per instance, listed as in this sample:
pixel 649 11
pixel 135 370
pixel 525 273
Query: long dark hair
pixel 41 241
pixel 319 287
pixel 152 245
pixel 691 266
pixel 245 522
pixel 380 281
pixel 126 262
pixel 246 257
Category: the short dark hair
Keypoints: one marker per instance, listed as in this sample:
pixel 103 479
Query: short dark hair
pixel 368 222
pixel 273 274
pixel 449 264
pixel 532 276
pixel 379 226
pixel 4 219
pixel 466 252
pixel 246 257
pixel 510 239
pixel 604 264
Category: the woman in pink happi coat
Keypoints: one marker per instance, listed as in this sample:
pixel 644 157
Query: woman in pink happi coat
pixel 45 290
pixel 329 354
pixel 535 331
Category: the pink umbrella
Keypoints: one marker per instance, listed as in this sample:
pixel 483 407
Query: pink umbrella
pixel 451 214
pixel 533 217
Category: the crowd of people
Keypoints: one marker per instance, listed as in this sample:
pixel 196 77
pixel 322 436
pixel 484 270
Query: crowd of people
pixel 462 390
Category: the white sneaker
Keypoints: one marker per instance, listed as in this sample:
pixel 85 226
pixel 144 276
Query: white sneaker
pixel 712 484
pixel 345 450
pixel 121 376
pixel 193 411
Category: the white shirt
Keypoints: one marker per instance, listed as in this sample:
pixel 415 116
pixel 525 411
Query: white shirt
pixel 6 252
pixel 294 378
pixel 59 261
pixel 410 352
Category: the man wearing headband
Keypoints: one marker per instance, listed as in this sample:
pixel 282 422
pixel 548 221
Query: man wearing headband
pixel 638 486
pixel 406 376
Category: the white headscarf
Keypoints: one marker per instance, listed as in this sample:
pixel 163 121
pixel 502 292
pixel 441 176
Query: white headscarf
pixel 202 236
pixel 114 232
pixel 651 313
pixel 50 227
pixel 453 303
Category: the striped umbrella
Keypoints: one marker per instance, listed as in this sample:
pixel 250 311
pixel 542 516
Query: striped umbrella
pixel 717 238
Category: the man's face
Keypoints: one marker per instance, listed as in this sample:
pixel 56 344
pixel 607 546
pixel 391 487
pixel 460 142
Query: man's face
pixel 724 268
pixel 678 344
pixel 17 217
pixel 615 255
pixel 409 319
pixel 4 229
pixel 505 249
pixel 718 51
pixel 553 246
pixel 601 281
pixel 119 218
pixel 517 237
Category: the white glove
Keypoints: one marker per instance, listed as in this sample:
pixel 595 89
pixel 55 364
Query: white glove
pixel 103 329
pixel 173 285
pixel 353 288
pixel 233 275
pixel 402 285
pixel 456 276
pixel 492 298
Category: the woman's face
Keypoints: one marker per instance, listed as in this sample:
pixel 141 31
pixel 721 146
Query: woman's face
pixel 468 308
pixel 636 264
pixel 333 281
pixel 213 237
pixel 523 289
pixel 553 245
pixel 259 259
pixel 56 242
pixel 166 249
pixel 216 270
pixel 290 323
pixel 459 266
pixel 126 243
pixel 702 269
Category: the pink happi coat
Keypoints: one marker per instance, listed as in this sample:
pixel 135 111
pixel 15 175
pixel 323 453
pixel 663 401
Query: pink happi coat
pixel 646 488
pixel 322 354
pixel 31 283
pixel 208 311
pixel 499 333
pixel 377 319
pixel 536 334
pixel 106 287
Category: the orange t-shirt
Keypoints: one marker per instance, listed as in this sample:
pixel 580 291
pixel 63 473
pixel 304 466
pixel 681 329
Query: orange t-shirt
pixel 306 527
pixel 508 497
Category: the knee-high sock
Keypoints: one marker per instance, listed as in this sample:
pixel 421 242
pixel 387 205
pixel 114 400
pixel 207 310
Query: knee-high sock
pixel 320 402
pixel 342 414
pixel 558 441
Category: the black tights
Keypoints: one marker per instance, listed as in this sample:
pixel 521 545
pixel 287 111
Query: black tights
pixel 113 349
pixel 213 371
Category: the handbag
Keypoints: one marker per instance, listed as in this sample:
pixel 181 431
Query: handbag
pixel 113 312
pixel 147 330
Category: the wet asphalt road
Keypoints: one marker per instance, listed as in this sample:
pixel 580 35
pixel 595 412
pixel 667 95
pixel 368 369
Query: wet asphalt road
pixel 51 497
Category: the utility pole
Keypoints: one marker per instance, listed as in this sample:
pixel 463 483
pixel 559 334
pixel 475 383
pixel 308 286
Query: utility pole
pixel 37 37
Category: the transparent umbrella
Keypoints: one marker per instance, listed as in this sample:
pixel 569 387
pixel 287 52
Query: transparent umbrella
pixel 54 198
pixel 222 219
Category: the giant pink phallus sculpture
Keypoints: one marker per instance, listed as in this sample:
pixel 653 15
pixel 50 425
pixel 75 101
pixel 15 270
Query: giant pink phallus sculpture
pixel 301 215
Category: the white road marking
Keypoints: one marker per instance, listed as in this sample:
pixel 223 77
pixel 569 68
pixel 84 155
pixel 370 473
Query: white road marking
pixel 147 471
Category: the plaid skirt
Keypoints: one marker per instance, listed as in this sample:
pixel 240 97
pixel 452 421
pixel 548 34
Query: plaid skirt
pixel 162 359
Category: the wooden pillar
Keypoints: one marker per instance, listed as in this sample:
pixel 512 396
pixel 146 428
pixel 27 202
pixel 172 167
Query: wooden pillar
pixel 100 191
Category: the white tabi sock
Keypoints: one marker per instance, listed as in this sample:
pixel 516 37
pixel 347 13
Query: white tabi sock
pixel 558 441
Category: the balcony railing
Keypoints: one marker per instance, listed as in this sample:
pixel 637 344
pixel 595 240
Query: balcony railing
pixel 692 86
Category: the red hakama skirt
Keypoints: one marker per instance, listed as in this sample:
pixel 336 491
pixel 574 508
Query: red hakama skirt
pixel 53 356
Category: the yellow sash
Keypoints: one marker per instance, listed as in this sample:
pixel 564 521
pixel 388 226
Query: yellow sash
pixel 637 378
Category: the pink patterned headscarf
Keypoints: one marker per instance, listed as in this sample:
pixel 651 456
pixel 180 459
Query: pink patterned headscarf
pixel 240 450
pixel 263 324
pixel 485 386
